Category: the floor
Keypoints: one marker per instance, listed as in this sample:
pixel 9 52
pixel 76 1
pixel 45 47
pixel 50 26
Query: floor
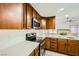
pixel 50 53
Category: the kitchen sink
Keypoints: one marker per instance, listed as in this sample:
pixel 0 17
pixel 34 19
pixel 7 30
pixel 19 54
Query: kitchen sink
pixel 70 37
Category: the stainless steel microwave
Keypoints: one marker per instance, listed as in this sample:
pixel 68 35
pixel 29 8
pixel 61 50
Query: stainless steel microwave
pixel 36 24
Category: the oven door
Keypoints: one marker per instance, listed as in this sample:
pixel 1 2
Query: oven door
pixel 42 49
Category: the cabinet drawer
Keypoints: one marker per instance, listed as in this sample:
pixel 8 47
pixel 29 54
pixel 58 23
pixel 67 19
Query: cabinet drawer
pixel 73 42
pixel 53 44
pixel 53 48
pixel 53 40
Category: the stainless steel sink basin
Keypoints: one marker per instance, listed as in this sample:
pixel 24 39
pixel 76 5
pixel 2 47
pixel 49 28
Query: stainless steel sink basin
pixel 70 37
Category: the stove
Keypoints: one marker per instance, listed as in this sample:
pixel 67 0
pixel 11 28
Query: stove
pixel 42 49
pixel 32 37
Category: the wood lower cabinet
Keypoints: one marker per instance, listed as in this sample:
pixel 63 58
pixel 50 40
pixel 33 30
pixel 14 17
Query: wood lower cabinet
pixel 73 47
pixel 66 46
pixel 53 44
pixel 36 52
pixel 62 45
pixel 47 43
pixel 32 54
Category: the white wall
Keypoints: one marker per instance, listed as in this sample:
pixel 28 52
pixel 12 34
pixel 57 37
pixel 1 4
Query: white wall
pixel 60 22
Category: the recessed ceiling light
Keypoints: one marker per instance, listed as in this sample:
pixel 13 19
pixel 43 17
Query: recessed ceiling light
pixel 61 9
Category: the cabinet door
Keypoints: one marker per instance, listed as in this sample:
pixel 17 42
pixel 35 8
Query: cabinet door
pixel 29 16
pixel 47 43
pixel 11 16
pixel 34 14
pixel 37 51
pixel 62 45
pixel 50 23
pixel 24 16
pixel 73 47
pixel 43 23
pixel 38 17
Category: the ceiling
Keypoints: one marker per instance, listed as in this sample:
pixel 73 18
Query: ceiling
pixel 53 9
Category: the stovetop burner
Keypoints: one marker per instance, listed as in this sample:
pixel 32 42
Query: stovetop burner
pixel 39 41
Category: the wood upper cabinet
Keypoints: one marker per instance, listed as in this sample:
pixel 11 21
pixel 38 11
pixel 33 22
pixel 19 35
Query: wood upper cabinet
pixel 24 16
pixel 43 23
pixel 29 16
pixel 50 24
pixel 11 16
pixel 38 17
pixel 34 14
pixel 62 45
pixel 73 47
pixel 47 43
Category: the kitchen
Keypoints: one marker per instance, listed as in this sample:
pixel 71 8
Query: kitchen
pixel 33 29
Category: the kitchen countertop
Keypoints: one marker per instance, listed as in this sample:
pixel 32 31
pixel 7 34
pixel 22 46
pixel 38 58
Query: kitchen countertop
pixel 25 48
pixel 63 36
pixel 21 49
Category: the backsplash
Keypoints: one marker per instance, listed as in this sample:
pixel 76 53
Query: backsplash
pixel 63 31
